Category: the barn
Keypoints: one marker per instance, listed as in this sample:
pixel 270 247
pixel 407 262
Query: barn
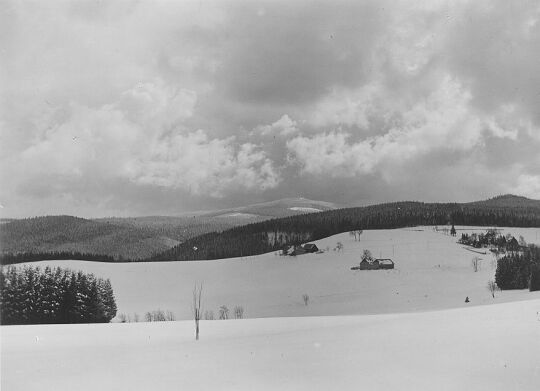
pixel 298 250
pixel 364 265
pixel 310 248
pixel 385 263
pixel 376 264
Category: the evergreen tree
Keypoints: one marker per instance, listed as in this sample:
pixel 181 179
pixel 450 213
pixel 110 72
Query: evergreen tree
pixel 31 296
pixel 534 280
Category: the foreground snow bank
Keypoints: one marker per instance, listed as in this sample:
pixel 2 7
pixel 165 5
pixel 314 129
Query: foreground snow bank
pixel 493 347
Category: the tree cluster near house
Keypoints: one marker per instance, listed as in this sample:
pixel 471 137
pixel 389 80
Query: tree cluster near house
pixel 32 295
pixel 492 239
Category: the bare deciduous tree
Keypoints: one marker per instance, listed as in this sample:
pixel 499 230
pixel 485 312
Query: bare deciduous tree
pixel 158 316
pixel 223 312
pixel 170 316
pixel 367 256
pixel 492 287
pixel 209 315
pixel 197 294
pixel 135 317
pixel 305 297
pixel 239 312
pixel 122 318
pixel 475 263
pixel 356 233
pixel 148 316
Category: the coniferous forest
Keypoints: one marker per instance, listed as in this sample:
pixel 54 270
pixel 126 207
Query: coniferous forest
pixel 32 295
pixel 519 269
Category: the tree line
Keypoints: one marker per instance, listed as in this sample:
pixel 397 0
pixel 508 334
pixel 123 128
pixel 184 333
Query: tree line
pixel 32 295
pixel 11 258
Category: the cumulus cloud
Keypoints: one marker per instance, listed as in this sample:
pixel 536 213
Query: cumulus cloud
pixel 528 185
pixel 142 138
pixel 444 121
pixel 196 103
pixel 203 166
pixel 284 126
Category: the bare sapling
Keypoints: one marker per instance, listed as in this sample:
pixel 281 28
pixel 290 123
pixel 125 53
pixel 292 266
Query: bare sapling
pixel 197 294
pixel 492 287
pixel 239 312
pixel 475 263
pixel 305 297
pixel 223 312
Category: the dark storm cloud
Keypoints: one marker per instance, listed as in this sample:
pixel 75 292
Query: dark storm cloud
pixel 294 52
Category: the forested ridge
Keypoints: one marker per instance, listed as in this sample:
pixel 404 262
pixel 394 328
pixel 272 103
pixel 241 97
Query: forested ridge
pixel 273 234
pixel 182 239
pixel 56 237
pixel 129 238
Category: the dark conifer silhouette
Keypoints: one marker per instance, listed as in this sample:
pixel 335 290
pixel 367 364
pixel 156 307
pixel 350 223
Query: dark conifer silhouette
pixel 32 295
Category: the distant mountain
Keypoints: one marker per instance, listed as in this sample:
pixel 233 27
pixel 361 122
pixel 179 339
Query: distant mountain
pixel 509 201
pixel 136 237
pixel 74 234
pixel 280 208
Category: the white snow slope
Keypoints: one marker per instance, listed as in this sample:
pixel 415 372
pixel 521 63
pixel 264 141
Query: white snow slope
pixel 399 346
pixel 493 347
pixel 432 272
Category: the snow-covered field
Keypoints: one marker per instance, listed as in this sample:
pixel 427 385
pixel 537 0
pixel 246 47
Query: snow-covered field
pixel 305 209
pixel 401 329
pixel 493 347
pixel 432 272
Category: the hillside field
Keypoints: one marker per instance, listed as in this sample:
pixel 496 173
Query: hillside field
pixel 432 272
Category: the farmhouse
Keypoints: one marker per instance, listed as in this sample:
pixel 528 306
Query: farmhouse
pixel 376 264
pixel 385 263
pixel 310 248
pixel 300 250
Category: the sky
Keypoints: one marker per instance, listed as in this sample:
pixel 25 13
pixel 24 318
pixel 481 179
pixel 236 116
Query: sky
pixel 126 108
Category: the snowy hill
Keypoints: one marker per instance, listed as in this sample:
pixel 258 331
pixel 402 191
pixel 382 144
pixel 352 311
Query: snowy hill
pixel 483 348
pixel 279 208
pixel 432 272
pixel 509 201
pixel 402 329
